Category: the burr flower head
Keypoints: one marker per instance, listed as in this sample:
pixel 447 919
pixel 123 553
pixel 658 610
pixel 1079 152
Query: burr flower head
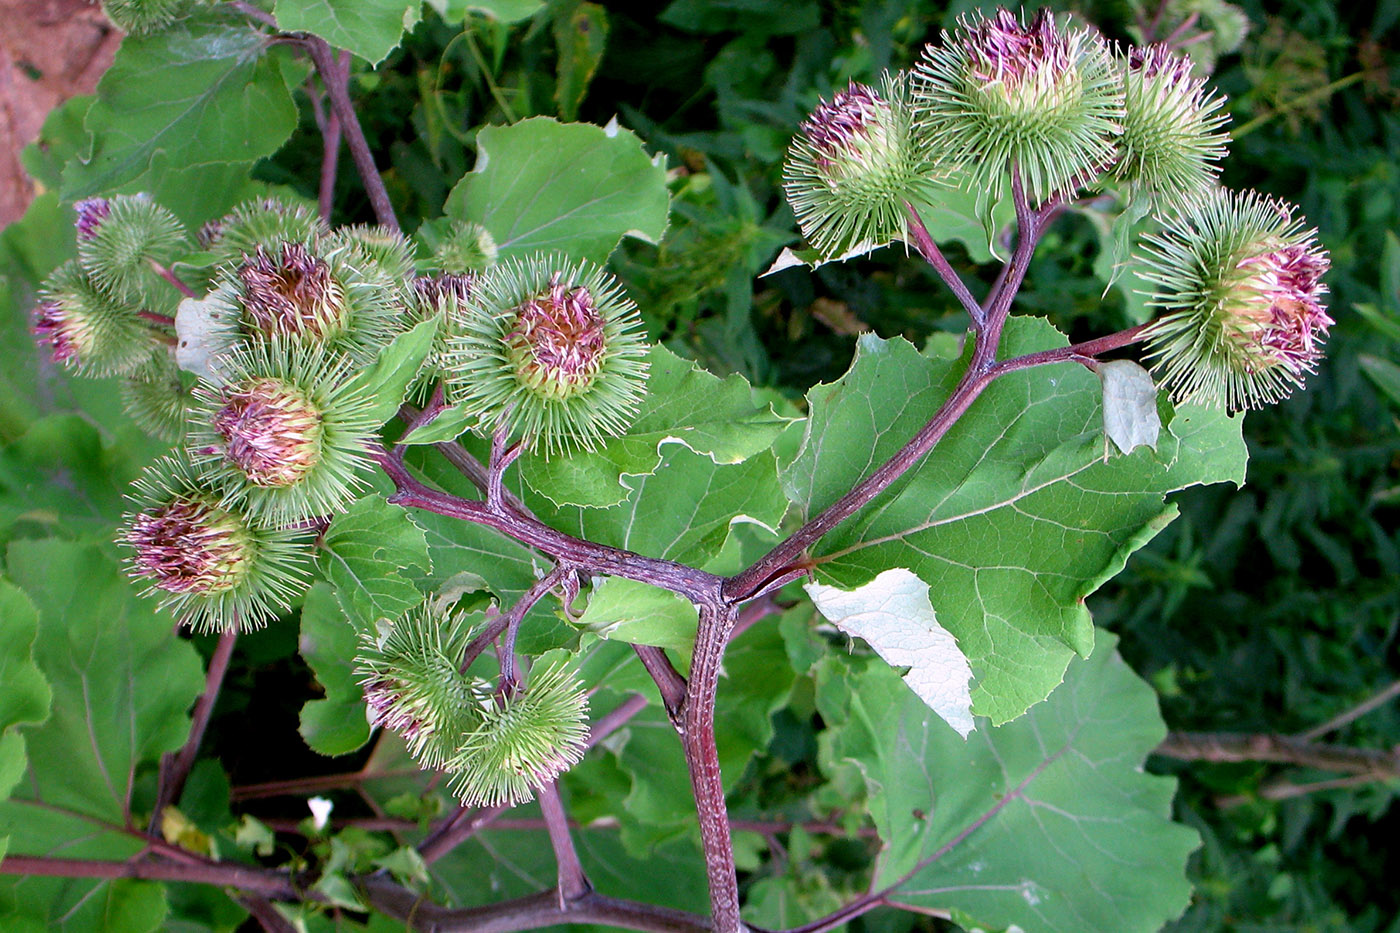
pixel 140 17
pixel 263 222
pixel 190 545
pixel 854 163
pixel 467 247
pixel 1171 127
pixel 550 351
pixel 1240 283
pixel 213 566
pixel 119 238
pixel 436 293
pixel 271 431
pixel 289 292
pixel 557 341
pixel 91 212
pixel 285 435
pixel 156 396
pixel 524 740
pixel 999 92
pixel 331 292
pixel 88 329
pixel 412 685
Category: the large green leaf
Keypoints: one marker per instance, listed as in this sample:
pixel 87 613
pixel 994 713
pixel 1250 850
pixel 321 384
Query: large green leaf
pixel 574 188
pixel 122 687
pixel 1048 823
pixel 1017 514
pixel 684 405
pixel 683 511
pixel 26 696
pixel 201 92
pixel 334 724
pixel 369 28
pixel 362 555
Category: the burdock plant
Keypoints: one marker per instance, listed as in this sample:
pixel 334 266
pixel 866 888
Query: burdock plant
pixel 621 514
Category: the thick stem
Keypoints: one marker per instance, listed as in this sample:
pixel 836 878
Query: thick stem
pixel 695 585
pixel 702 760
pixel 174 769
pixel 271 884
pixel 573 882
pixel 337 83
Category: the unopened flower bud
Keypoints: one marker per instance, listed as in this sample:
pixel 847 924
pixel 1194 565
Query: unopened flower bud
pixel 550 351
pixel 1171 127
pixel 140 17
pixel 999 93
pixel 525 740
pixel 87 329
pixel 412 684
pixel 119 238
pixel 467 247
pixel 854 163
pixel 214 567
pixel 1239 281
pixel 262 222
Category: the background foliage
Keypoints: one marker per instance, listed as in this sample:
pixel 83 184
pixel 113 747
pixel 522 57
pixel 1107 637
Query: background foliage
pixel 1266 609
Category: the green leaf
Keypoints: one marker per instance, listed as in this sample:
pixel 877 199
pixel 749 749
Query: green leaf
pixel 683 511
pixel 369 28
pixel 503 11
pixel 683 405
pixel 122 688
pixel 202 91
pixel 336 724
pixel 447 426
pixel 640 614
pixel 953 214
pixel 26 696
pixel 581 36
pixel 573 188
pixel 1048 823
pixel 1014 517
pixel 389 378
pixel 1384 373
pixel 362 554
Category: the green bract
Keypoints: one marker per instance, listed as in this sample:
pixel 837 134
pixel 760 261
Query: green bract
pixel 855 162
pixel 524 740
pixel 998 94
pixel 119 238
pixel 213 566
pixel 409 671
pixel 1239 282
pixel 156 397
pixel 143 16
pixel 265 222
pixel 88 329
pixel 467 247
pixel 1171 137
pixel 550 351
pixel 285 435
